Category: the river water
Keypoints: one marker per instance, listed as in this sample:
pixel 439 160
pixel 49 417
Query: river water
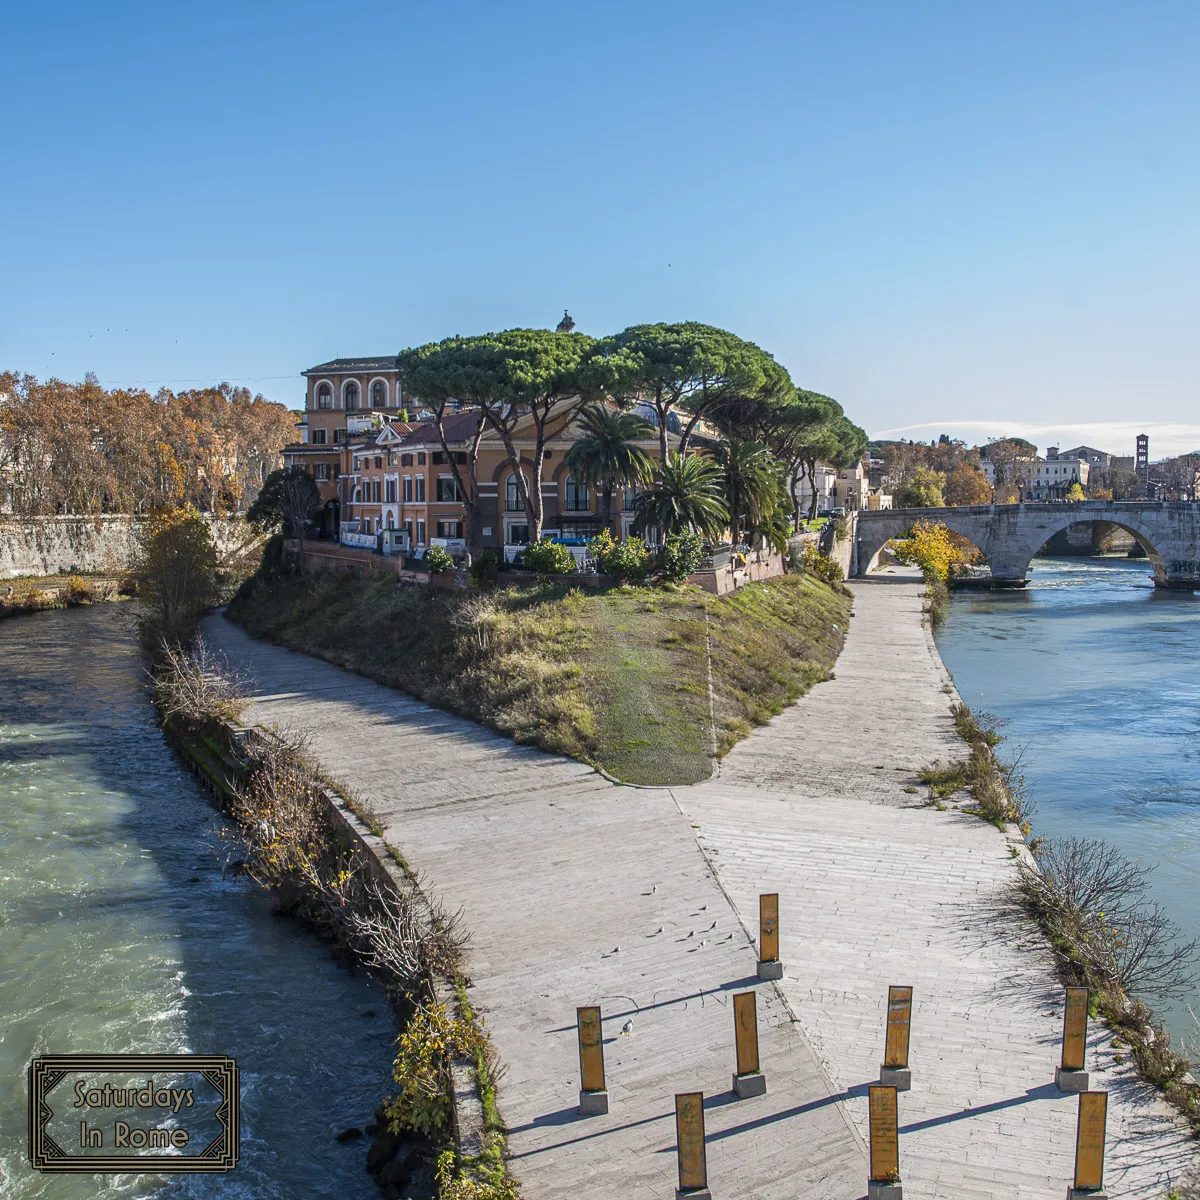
pixel 1098 675
pixel 118 933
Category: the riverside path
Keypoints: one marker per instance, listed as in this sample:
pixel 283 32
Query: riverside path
pixel 645 901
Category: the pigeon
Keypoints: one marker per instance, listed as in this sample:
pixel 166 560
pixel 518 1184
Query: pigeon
pixel 691 934
pixel 615 950
pixel 728 937
pixel 659 930
pixel 713 925
pixel 627 1028
pixel 704 908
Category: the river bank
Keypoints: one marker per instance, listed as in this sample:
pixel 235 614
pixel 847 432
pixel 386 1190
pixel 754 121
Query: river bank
pixel 123 934
pixel 654 896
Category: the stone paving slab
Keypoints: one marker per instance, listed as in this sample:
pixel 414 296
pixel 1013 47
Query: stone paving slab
pixel 877 889
pixel 554 869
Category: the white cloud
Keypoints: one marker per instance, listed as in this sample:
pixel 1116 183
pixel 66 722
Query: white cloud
pixel 1117 437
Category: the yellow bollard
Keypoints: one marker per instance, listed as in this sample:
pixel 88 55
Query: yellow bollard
pixel 748 1080
pixel 689 1146
pixel 1089 1148
pixel 1069 1075
pixel 884 1180
pixel 593 1096
pixel 895 1072
pixel 769 966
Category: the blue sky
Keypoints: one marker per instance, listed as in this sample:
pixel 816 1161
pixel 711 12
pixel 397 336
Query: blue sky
pixel 940 213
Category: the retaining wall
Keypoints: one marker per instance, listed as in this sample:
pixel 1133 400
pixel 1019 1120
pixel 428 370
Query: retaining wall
pixel 99 544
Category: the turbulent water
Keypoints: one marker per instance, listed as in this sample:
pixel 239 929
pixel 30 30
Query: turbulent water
pixel 1098 676
pixel 118 933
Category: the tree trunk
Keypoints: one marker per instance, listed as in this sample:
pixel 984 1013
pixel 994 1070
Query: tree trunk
pixel 606 497
pixel 812 480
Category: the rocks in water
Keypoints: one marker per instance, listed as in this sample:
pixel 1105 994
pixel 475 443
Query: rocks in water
pixel 350 1135
pixel 395 1173
pixel 382 1150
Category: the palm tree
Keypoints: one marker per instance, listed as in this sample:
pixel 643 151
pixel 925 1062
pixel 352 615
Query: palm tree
pixel 689 494
pixel 604 453
pixel 755 487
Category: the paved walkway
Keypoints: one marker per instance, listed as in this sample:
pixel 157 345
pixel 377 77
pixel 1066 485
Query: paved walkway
pixel 556 869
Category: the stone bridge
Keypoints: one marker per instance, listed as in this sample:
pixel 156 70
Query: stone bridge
pixel 1009 535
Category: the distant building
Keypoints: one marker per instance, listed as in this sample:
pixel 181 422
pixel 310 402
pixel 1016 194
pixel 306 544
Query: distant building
pixel 1052 478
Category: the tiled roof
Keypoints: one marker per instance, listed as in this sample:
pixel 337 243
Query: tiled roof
pixel 459 428
pixel 353 366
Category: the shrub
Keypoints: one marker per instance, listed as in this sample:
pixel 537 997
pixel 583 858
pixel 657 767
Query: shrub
pixel 813 562
pixel 629 559
pixel 681 554
pixel 78 591
pixel 485 568
pixel 431 1041
pixel 438 559
pixel 549 558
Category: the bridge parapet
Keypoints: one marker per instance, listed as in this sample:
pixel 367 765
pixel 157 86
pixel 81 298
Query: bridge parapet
pixel 1009 535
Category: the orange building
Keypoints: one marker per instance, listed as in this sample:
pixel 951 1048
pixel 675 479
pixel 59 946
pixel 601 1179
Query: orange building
pixel 398 477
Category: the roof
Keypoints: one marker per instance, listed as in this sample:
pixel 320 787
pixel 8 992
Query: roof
pixel 459 426
pixel 353 366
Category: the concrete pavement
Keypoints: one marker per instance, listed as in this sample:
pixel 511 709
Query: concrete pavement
pixel 566 882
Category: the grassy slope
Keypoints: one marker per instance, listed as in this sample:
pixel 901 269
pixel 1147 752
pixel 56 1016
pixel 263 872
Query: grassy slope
pixel 618 678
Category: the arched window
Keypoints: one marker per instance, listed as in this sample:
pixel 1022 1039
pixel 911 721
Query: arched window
pixel 379 394
pixel 351 395
pixel 358 495
pixel 324 396
pixel 577 495
pixel 391 521
pixel 512 496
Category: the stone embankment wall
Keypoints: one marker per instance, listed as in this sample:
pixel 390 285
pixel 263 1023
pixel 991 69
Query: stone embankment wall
pixel 103 543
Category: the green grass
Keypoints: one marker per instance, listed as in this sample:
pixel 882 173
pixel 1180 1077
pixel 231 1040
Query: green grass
pixel 618 678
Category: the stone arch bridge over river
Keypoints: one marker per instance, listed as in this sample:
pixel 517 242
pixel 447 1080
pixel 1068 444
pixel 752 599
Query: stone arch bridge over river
pixel 1009 535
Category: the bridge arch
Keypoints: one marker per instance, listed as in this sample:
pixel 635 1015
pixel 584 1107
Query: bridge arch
pixel 1140 535
pixel 873 538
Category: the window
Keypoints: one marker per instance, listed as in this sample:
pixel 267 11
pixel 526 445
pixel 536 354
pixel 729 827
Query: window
pixel 420 489
pixel 629 498
pixel 389 489
pixel 318 437
pixel 577 495
pixel 408 528
pixel 351 395
pixel 339 436
pixel 512 496
pixel 391 523
pixel 447 489
pixel 438 458
pixel 517 535
pixel 406 460
pixel 321 472
pixel 408 489
pixel 421 458
pixel 378 462
pixel 375 491
pixel 379 394
pixel 324 396
pixel 449 529
pixel 357 496
pixel 420 533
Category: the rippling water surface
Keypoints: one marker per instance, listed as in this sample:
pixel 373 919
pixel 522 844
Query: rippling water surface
pixel 118 934
pixel 1098 675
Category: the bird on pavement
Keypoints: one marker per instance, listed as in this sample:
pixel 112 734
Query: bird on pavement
pixel 627 1028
